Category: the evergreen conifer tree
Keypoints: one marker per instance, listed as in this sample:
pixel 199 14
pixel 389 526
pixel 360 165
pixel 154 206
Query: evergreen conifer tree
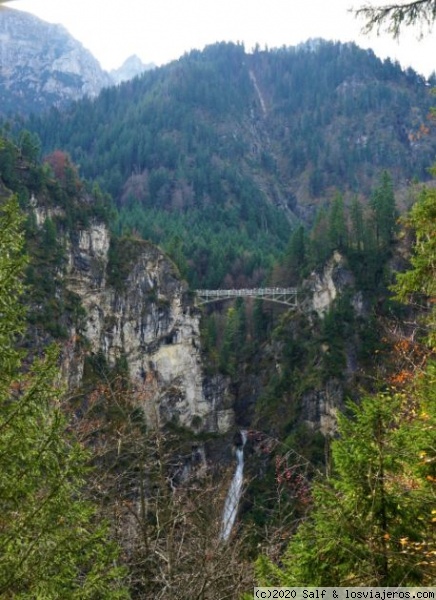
pixel 372 521
pixel 385 213
pixel 418 284
pixel 51 544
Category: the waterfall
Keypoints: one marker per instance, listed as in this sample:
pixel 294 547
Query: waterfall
pixel 234 493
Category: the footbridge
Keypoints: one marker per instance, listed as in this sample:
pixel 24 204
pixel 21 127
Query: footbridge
pixel 287 296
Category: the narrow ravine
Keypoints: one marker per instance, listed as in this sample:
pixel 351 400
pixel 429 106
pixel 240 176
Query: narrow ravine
pixel 258 92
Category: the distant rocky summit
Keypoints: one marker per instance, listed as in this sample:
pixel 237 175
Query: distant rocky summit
pixel 42 65
pixel 132 67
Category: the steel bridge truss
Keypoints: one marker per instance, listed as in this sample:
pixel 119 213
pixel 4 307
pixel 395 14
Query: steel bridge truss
pixel 286 296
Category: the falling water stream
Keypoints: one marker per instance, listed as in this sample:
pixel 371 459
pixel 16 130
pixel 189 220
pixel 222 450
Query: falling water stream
pixel 234 493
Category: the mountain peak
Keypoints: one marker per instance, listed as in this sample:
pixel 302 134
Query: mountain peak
pixel 131 67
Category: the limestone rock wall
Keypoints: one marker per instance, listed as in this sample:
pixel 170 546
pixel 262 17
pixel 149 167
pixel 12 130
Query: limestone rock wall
pixel 152 323
pixel 149 321
pixel 327 285
pixel 319 407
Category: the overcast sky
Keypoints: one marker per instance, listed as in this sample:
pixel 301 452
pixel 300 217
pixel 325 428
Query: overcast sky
pixel 162 30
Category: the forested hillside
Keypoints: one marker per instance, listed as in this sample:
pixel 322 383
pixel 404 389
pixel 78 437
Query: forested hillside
pixel 290 374
pixel 86 447
pixel 371 521
pixel 221 152
pixel 54 541
pixel 305 167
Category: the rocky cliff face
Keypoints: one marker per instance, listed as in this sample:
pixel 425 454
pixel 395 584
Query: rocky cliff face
pixel 335 279
pixel 314 354
pixel 135 307
pixel 148 319
pixel 319 407
pixel 42 65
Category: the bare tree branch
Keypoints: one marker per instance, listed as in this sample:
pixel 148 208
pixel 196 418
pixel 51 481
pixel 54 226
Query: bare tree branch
pixel 393 17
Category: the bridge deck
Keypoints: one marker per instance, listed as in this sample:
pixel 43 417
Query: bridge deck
pixel 286 296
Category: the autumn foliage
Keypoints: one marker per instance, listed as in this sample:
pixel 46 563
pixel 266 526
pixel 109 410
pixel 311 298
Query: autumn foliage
pixel 64 171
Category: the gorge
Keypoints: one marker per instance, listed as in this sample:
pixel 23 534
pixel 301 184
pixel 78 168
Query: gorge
pixel 212 247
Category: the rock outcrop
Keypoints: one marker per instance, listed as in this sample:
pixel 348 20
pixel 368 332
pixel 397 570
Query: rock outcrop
pixel 136 309
pixel 319 408
pixel 328 285
pixel 147 318
pixel 320 405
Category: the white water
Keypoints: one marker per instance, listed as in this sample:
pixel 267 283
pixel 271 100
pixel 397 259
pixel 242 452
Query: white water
pixel 234 494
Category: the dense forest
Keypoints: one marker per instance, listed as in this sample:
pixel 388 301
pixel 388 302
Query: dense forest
pixel 217 155
pixel 304 167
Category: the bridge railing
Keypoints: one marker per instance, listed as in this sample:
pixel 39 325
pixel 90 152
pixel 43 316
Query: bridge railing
pixel 282 295
pixel 247 292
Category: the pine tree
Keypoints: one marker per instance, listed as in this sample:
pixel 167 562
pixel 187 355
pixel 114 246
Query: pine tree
pixel 419 283
pixel 337 224
pixel 372 521
pixel 320 245
pixel 374 505
pixel 295 260
pixel 385 213
pixel 357 225
pixel 51 545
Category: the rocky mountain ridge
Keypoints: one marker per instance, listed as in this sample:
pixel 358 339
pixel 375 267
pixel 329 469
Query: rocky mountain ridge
pixel 43 66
